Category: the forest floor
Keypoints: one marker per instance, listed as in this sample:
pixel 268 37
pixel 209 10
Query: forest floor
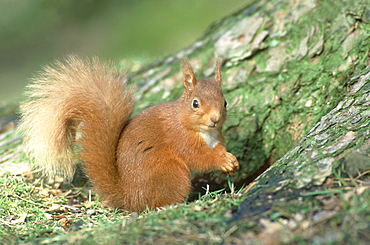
pixel 35 211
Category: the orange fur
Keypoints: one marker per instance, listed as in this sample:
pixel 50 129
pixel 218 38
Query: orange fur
pixel 133 163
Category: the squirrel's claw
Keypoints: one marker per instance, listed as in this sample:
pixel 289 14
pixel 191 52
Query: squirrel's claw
pixel 231 164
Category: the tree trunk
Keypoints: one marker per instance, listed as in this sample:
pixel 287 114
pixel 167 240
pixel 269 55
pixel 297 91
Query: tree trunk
pixel 286 65
pixel 297 79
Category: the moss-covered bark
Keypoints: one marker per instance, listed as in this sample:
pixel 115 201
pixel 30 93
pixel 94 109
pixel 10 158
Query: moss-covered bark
pixel 297 79
pixel 286 64
pixel 339 143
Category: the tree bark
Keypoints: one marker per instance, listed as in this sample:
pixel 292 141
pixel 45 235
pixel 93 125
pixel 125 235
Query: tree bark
pixel 297 79
pixel 286 65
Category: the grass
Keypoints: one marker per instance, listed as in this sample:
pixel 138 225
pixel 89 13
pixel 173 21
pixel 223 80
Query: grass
pixel 36 211
pixel 33 211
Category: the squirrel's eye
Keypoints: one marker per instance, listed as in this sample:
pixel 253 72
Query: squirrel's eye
pixel 225 103
pixel 195 104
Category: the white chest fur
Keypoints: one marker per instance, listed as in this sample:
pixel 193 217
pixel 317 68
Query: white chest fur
pixel 210 137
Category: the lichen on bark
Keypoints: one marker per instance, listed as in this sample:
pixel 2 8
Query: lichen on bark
pixel 286 64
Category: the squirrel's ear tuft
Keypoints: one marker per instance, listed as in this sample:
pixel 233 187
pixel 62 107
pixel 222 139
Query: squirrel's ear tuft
pixel 189 78
pixel 218 75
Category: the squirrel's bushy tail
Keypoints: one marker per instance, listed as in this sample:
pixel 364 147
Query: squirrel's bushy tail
pixel 84 96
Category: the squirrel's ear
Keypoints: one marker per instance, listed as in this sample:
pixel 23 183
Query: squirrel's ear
pixel 218 75
pixel 189 78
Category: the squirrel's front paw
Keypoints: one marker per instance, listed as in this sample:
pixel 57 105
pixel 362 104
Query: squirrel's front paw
pixel 230 165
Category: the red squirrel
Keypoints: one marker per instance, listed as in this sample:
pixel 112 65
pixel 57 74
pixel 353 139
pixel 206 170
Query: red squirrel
pixel 136 162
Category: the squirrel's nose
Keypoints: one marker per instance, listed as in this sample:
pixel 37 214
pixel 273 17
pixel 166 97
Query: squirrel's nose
pixel 215 119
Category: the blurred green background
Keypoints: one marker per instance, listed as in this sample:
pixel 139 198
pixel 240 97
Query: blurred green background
pixel 34 33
